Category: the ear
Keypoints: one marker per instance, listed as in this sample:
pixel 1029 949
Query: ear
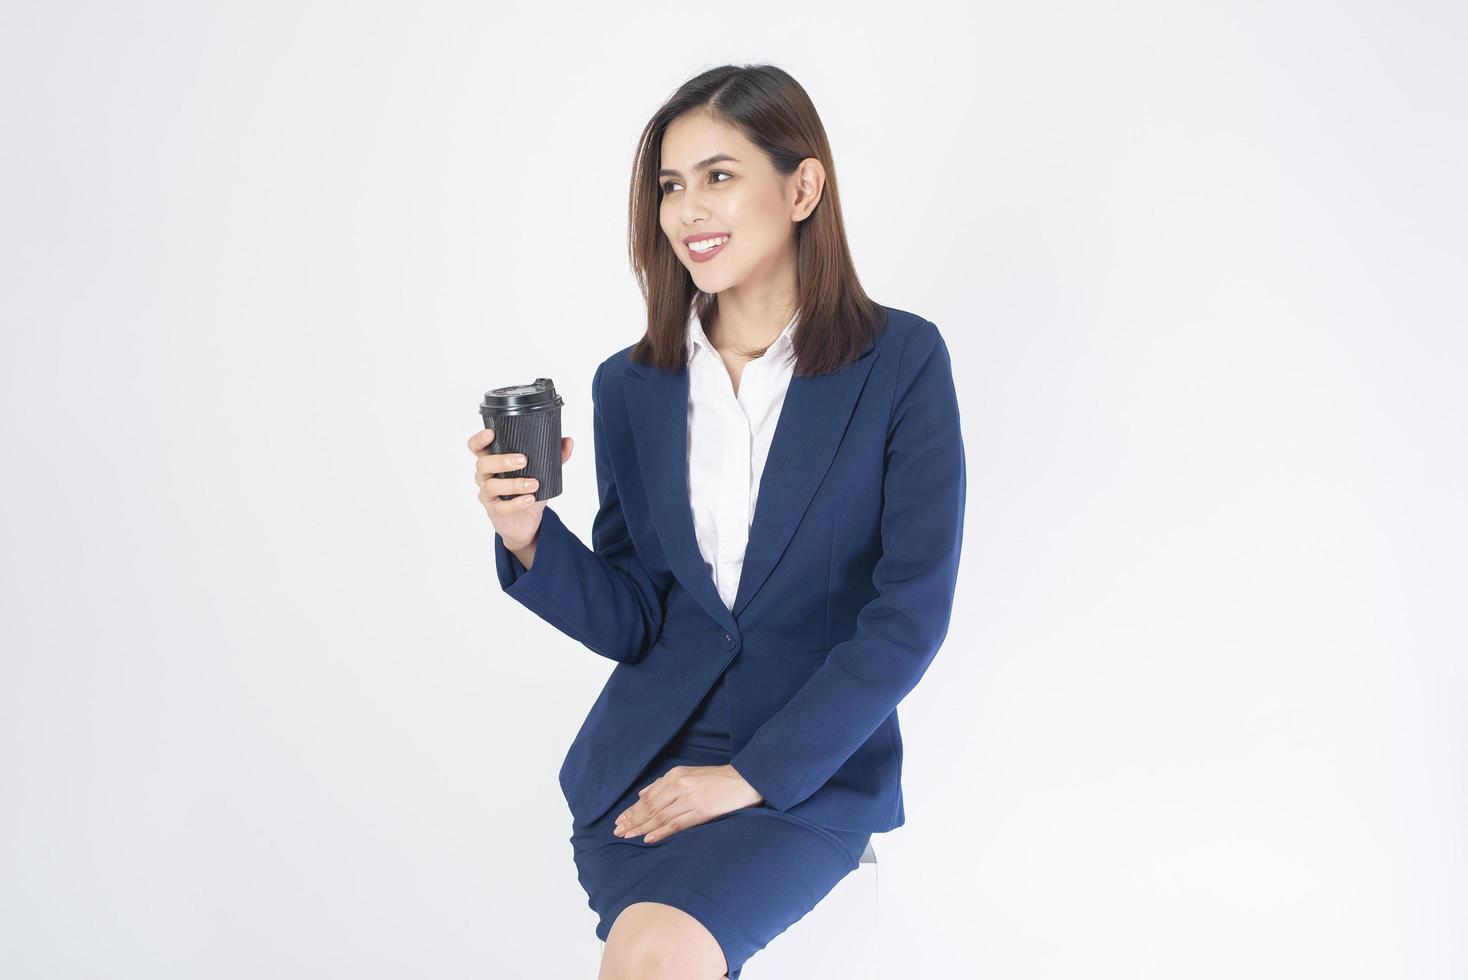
pixel 809 181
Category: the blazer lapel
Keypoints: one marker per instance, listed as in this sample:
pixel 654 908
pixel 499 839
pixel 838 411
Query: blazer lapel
pixel 657 406
pixel 812 421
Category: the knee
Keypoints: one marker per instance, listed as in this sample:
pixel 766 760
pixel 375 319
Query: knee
pixel 649 941
pixel 641 958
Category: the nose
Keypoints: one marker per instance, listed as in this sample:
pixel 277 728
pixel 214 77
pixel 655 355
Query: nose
pixel 691 210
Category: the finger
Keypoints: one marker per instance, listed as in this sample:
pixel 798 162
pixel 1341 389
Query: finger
pixel 644 815
pixel 645 792
pixel 566 445
pixel 479 440
pixel 653 821
pixel 503 507
pixel 488 464
pixel 645 799
pixel 631 813
pixel 499 462
pixel 687 818
pixel 632 816
pixel 505 491
pixel 507 484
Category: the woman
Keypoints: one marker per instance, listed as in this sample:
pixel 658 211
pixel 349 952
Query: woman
pixel 781 481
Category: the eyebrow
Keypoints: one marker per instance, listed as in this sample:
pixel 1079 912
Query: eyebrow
pixel 700 165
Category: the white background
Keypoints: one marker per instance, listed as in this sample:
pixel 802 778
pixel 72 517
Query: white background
pixel 266 712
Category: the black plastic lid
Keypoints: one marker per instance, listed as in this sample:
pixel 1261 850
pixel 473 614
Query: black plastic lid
pixel 538 396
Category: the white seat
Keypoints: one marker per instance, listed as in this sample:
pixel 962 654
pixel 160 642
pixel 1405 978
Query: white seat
pixel 837 938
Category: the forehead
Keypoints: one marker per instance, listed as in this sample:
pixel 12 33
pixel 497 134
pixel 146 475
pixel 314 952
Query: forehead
pixel 692 138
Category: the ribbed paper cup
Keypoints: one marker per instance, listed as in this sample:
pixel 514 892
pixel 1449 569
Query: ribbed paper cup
pixel 526 419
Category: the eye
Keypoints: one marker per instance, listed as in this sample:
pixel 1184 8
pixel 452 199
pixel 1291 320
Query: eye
pixel 665 184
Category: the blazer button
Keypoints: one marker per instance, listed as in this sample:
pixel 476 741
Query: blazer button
pixel 728 642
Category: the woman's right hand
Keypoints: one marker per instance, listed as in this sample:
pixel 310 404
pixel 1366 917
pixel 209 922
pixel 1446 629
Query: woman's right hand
pixel 517 520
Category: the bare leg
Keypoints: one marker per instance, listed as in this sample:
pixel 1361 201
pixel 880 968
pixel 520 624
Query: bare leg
pixel 654 941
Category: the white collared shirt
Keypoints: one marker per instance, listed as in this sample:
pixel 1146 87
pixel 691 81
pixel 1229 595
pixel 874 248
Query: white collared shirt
pixel 728 442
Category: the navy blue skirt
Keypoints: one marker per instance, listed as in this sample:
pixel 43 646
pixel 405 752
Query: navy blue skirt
pixel 747 875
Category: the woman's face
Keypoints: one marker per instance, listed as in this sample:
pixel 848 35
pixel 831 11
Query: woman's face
pixel 716 182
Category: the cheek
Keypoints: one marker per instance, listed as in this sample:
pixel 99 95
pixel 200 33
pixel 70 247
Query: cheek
pixel 672 234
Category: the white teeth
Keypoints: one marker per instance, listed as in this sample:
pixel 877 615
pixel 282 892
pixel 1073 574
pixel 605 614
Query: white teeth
pixel 704 246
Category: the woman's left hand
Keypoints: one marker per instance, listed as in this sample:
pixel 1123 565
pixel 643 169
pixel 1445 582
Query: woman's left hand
pixel 684 797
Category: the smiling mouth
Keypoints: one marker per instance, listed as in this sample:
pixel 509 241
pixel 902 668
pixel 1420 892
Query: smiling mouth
pixel 707 253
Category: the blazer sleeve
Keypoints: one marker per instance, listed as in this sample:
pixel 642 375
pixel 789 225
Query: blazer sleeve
pixel 602 596
pixel 899 631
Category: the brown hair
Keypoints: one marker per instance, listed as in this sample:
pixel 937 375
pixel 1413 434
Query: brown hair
pixel 837 319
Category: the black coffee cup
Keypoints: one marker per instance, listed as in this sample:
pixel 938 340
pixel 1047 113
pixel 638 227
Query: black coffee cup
pixel 526 419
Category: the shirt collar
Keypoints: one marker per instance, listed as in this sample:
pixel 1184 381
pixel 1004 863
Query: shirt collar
pixel 697 338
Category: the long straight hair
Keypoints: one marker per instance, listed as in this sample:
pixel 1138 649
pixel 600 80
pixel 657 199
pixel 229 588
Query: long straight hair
pixel 837 319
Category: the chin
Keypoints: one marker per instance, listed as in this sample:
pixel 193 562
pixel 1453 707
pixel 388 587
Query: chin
pixel 711 284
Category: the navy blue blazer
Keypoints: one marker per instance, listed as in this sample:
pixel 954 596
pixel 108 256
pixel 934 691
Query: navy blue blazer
pixel 844 597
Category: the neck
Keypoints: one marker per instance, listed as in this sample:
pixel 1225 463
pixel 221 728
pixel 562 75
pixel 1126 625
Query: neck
pixel 748 320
